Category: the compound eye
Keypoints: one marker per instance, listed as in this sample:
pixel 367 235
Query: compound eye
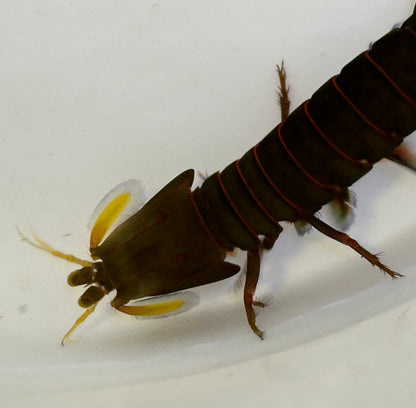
pixel 82 276
pixel 91 296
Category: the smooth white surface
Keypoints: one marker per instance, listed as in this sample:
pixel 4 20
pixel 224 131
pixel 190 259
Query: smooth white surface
pixel 97 92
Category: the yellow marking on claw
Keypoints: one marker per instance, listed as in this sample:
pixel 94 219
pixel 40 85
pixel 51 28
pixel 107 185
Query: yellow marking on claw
pixel 77 323
pixel 38 243
pixel 152 309
pixel 107 218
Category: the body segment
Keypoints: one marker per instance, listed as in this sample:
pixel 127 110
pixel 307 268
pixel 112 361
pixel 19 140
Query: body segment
pixel 180 238
pixel 325 145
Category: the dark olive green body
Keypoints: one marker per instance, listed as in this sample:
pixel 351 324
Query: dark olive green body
pixel 179 239
pixel 163 248
pixel 320 170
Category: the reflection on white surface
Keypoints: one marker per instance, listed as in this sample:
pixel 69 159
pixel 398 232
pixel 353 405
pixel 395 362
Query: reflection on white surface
pixel 94 93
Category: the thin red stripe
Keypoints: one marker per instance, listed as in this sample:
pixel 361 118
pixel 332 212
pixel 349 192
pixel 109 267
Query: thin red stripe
pixel 290 203
pixel 357 111
pixel 384 73
pixel 265 212
pixel 133 237
pixel 204 225
pixel 362 163
pixel 234 207
pixel 412 31
pixel 300 167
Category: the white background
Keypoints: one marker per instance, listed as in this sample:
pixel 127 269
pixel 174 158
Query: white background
pixel 97 92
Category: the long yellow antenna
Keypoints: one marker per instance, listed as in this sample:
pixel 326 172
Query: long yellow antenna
pixel 38 243
pixel 79 321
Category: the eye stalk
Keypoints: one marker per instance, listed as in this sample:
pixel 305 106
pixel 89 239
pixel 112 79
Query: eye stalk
pixel 83 276
pixel 87 276
pixel 91 296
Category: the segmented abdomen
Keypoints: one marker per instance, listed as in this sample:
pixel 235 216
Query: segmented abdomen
pixel 325 145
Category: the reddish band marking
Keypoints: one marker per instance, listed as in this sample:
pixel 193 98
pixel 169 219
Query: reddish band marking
pixel 203 223
pixel 265 212
pixel 358 112
pixel 301 168
pixel 133 237
pixel 270 181
pixel 362 163
pixel 234 207
pixel 412 31
pixel 384 73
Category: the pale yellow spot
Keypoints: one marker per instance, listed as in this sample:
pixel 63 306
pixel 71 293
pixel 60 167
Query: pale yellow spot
pixel 152 309
pixel 107 218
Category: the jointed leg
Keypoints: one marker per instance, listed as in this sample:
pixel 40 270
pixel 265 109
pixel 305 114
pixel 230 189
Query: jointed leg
pixel 347 240
pixel 252 277
pixel 283 92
